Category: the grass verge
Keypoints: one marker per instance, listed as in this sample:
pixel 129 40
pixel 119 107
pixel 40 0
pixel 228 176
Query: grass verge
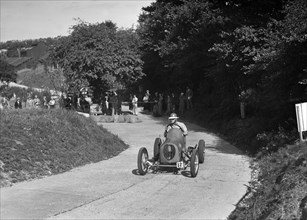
pixel 278 187
pixel 37 143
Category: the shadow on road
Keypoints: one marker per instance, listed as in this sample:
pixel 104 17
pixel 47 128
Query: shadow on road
pixel 162 171
pixel 218 144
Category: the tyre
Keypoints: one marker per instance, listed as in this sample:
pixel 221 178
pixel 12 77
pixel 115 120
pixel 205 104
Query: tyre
pixel 142 159
pixel 201 151
pixel 157 145
pixel 194 163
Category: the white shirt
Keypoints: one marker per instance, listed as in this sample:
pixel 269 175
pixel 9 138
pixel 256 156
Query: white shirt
pixel 178 125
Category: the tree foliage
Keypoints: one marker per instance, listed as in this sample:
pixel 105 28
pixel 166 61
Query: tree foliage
pixel 7 72
pixel 269 59
pixel 178 34
pixel 229 50
pixel 100 56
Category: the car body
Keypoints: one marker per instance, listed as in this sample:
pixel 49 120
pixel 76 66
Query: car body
pixel 172 153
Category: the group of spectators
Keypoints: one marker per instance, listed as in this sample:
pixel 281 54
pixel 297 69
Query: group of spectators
pixel 111 104
pixel 17 103
pixel 157 103
pixel 160 103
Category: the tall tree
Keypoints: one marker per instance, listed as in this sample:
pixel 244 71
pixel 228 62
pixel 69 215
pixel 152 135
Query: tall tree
pixel 268 58
pixel 176 36
pixel 100 56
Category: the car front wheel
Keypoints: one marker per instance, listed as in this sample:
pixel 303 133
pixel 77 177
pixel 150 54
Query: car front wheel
pixel 157 145
pixel 201 151
pixel 142 160
pixel 194 163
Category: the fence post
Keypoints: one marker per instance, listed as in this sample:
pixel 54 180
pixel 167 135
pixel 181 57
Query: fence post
pixel 301 117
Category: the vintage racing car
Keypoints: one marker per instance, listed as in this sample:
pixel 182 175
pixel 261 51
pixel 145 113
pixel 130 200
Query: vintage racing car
pixel 172 153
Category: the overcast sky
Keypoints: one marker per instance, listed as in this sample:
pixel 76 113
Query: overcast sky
pixel 34 19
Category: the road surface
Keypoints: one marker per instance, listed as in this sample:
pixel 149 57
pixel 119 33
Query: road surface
pixel 112 189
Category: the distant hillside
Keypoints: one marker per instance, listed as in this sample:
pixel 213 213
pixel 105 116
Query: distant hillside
pixel 37 78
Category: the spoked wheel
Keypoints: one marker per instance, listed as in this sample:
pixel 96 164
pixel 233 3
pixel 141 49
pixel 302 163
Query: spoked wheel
pixel 142 159
pixel 194 163
pixel 157 145
pixel 201 149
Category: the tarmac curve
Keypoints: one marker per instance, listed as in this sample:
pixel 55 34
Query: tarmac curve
pixel 112 189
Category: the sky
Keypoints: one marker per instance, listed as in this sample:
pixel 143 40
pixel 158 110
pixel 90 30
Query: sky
pixel 34 19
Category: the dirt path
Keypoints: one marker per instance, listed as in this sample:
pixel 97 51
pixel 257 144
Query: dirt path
pixel 112 189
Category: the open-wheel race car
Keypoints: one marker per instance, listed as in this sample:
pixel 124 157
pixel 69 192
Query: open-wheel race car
pixel 172 154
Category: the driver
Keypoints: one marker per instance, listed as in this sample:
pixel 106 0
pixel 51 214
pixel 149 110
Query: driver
pixel 173 123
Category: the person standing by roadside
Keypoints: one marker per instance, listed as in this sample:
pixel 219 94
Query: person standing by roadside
pixel 168 105
pixel 37 102
pixel 5 103
pixel 146 100
pixel 114 102
pixel 154 106
pixel 45 102
pixel 173 101
pixel 189 95
pixel 160 103
pixel 18 104
pixel 52 102
pixel 106 103
pixel 134 104
pixel 181 103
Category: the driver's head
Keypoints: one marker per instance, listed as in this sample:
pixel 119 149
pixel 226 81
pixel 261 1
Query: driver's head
pixel 173 118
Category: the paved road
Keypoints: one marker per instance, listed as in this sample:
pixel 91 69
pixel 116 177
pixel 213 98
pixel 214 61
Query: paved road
pixel 111 189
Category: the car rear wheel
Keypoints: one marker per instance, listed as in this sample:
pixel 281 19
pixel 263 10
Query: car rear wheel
pixel 142 160
pixel 157 145
pixel 201 151
pixel 194 163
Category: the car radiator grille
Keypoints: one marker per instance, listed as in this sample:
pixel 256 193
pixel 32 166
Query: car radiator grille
pixel 169 151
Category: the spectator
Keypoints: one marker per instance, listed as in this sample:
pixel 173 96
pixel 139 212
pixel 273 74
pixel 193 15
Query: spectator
pixel 154 107
pixel 18 104
pixel 130 103
pixel 105 104
pixel 45 102
pixel 160 103
pixel 68 103
pixel 168 105
pixel 134 104
pixel 29 101
pixel 114 102
pixel 189 95
pixel 173 102
pixel 85 106
pixel 36 102
pixel 146 100
pixel 181 103
pixel 52 103
pixel 5 103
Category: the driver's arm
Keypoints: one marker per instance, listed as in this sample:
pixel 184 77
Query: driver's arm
pixel 166 130
pixel 184 129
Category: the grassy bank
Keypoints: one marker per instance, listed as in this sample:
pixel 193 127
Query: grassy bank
pixel 37 143
pixel 278 187
pixel 279 190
